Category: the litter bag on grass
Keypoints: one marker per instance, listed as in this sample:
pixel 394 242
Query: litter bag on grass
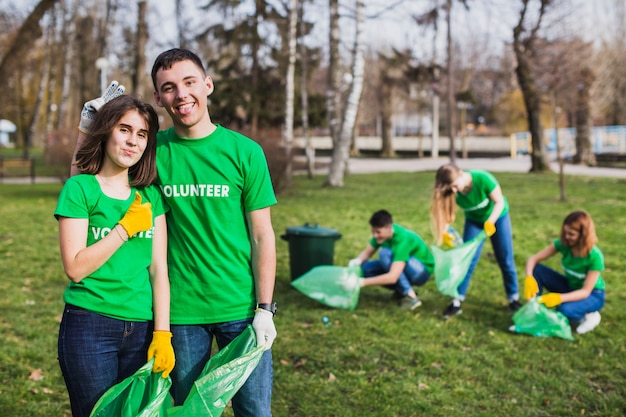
pixel 451 264
pixel 538 320
pixel 334 286
pixel 143 394
pixel 221 377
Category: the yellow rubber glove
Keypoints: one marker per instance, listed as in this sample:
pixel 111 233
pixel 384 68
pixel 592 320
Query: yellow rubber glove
pixel 530 287
pixel 162 351
pixel 138 218
pixel 490 228
pixel 550 300
pixel 448 239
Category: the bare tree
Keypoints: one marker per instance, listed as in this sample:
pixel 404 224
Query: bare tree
pixel 341 142
pixel 524 47
pixel 141 39
pixel 289 88
pixel 309 150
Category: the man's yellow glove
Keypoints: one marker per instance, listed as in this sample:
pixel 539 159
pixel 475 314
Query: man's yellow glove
pixel 490 228
pixel 138 218
pixel 530 287
pixel 550 300
pixel 162 351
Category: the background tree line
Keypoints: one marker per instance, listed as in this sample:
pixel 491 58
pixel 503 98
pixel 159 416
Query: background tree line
pixel 275 80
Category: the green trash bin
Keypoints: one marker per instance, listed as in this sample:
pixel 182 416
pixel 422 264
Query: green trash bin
pixel 310 246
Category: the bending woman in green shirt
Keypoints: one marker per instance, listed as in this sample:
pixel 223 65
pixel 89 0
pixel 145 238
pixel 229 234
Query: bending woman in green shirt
pixel 579 292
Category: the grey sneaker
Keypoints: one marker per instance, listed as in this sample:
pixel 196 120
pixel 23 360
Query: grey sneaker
pixel 409 303
pixel 514 305
pixel 589 323
pixel 452 310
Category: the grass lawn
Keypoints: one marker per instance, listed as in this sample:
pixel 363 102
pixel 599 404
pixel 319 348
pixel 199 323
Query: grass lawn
pixel 378 360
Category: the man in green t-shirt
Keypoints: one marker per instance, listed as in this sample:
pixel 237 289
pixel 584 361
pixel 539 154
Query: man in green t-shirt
pixel 221 244
pixel 404 259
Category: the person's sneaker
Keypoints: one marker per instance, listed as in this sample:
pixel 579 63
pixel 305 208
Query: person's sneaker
pixel 452 310
pixel 589 323
pixel 410 303
pixel 514 305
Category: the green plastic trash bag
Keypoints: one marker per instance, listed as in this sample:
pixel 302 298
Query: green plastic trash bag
pixel 334 286
pixel 538 320
pixel 451 264
pixel 143 394
pixel 221 377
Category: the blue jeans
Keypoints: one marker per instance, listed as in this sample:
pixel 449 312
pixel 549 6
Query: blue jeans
pixel 192 345
pixel 414 272
pixel 553 281
pixel 97 352
pixel 502 243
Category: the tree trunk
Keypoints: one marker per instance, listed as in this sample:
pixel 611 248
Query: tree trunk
pixel 309 150
pixel 333 97
pixel 141 40
pixel 584 147
pixel 289 89
pixel 450 97
pixel 524 50
pixel 341 150
pixel 386 112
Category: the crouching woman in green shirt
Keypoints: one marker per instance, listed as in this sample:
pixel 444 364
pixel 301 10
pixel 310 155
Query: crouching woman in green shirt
pixel 579 292
pixel 113 240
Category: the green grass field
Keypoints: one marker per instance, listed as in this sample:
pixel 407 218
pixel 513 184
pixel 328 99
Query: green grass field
pixel 378 360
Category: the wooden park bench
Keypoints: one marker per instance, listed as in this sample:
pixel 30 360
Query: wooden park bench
pixel 8 166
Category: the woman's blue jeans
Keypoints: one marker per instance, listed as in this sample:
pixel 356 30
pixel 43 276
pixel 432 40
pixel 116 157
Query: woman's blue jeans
pixel 97 352
pixel 192 346
pixel 502 243
pixel 553 281
pixel 414 272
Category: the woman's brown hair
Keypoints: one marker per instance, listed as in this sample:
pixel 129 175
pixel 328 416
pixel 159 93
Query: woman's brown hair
pixel 581 221
pixel 90 156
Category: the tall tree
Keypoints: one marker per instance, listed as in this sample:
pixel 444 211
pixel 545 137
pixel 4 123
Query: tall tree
pixel 524 38
pixel 584 150
pixel 289 87
pixel 341 142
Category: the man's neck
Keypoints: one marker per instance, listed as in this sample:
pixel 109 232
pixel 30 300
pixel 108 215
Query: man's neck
pixel 198 131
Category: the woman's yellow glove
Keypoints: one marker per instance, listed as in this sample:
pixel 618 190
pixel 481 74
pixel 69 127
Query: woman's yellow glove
pixel 550 300
pixel 490 228
pixel 138 217
pixel 530 287
pixel 162 351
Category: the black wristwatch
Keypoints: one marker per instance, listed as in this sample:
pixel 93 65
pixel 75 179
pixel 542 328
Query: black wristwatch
pixel 271 307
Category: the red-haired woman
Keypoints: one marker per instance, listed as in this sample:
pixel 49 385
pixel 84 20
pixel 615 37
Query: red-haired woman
pixel 579 292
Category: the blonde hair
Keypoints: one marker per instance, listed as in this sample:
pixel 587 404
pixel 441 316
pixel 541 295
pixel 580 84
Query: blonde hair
pixel 443 206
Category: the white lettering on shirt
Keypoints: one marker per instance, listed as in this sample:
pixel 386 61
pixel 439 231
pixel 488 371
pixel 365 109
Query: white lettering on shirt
pixel 195 190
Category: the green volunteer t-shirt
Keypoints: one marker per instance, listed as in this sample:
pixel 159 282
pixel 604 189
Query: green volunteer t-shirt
pixel 209 185
pixel 121 287
pixel 406 243
pixel 576 268
pixel 476 204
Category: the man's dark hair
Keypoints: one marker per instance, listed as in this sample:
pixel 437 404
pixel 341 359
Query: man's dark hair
pixel 381 218
pixel 166 59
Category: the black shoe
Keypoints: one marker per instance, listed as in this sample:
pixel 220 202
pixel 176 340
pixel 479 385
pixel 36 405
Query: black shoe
pixel 452 310
pixel 514 306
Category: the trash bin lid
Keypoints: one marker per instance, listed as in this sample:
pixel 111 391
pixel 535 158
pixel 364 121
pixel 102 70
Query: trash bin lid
pixel 312 230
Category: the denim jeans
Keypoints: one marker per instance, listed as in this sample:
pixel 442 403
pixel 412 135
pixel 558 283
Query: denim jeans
pixel 502 243
pixel 192 345
pixel 553 281
pixel 414 272
pixel 96 352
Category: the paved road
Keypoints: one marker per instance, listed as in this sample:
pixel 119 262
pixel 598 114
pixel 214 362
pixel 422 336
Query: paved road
pixel 372 165
pixel 520 164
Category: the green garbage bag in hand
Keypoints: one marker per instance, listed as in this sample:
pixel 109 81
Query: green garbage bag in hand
pixel 451 265
pixel 221 377
pixel 143 394
pixel 538 320
pixel 334 286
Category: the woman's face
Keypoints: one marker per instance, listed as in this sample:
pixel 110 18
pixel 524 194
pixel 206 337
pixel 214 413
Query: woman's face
pixel 459 184
pixel 128 140
pixel 571 234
